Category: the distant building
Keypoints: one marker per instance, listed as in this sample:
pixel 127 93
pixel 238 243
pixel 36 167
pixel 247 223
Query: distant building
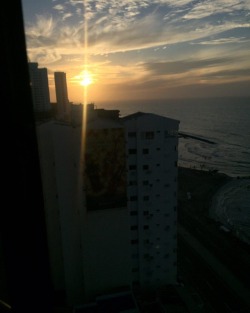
pixel 111 224
pixel 63 104
pixel 39 88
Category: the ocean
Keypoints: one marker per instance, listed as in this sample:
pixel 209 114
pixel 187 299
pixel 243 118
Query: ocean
pixel 225 121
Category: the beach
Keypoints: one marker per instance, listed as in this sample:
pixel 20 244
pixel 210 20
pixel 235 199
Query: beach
pixel 216 196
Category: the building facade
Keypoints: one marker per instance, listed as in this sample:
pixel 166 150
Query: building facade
pixel 39 88
pixel 63 104
pixel 152 154
pixel 111 212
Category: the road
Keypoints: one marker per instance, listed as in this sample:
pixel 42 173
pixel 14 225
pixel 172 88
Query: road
pixel 233 254
pixel 211 288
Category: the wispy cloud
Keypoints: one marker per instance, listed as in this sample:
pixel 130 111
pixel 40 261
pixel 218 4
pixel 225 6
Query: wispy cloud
pixel 226 40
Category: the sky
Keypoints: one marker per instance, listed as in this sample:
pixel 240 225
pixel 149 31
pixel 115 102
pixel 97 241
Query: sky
pixel 142 49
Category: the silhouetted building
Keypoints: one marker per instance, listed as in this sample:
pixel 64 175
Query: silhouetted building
pixel 112 223
pixel 39 87
pixel 63 104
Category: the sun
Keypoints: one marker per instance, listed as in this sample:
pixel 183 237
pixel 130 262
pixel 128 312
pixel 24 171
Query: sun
pixel 86 79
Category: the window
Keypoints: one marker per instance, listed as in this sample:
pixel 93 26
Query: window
pixel 132 167
pixel 145 167
pixel 145 227
pixel 133 213
pixel 132 183
pixel 131 134
pixel 133 198
pixel 134 241
pixel 171 133
pixel 145 151
pixel 145 198
pixel 145 213
pixel 147 135
pixel 134 227
pixel 145 183
pixel 132 151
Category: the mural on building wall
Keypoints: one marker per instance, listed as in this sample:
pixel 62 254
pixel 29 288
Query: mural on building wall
pixel 105 168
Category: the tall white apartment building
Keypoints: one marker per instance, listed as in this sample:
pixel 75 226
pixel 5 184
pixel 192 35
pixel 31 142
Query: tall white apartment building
pixel 152 154
pixel 114 224
pixel 39 87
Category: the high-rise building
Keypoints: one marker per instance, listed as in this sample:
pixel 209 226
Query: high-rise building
pixel 152 154
pixel 39 87
pixel 112 225
pixel 63 104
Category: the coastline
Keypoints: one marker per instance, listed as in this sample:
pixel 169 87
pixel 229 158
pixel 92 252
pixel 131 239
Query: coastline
pixel 200 186
pixel 217 196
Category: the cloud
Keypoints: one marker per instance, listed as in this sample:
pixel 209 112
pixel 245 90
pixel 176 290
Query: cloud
pixel 129 24
pixel 232 73
pixel 211 7
pixel 221 41
pixel 182 66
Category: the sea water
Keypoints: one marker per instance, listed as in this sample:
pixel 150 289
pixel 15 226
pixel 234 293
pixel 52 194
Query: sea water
pixel 225 121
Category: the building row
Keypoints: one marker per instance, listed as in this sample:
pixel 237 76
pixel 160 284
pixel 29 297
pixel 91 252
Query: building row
pixel 110 192
pixel 40 92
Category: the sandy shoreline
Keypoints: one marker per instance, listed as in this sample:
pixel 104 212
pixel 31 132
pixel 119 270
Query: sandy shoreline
pixel 217 196
pixel 231 207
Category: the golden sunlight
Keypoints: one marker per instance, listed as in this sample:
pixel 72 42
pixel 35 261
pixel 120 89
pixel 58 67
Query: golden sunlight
pixel 86 79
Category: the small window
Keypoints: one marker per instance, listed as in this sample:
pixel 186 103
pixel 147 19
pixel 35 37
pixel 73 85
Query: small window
pixel 145 213
pixel 145 167
pixel 145 183
pixel 131 134
pixel 133 198
pixel 132 151
pixel 145 151
pixel 149 135
pixel 134 227
pixel 132 167
pixel 133 213
pixel 145 227
pixel 132 183
pixel 134 241
pixel 157 164
pixel 145 198
pixel 171 133
pixel 158 149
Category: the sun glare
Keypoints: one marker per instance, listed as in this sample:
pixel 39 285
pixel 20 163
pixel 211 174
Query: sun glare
pixel 86 79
